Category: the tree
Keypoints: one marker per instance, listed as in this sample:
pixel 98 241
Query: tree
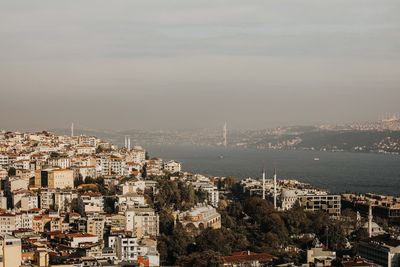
pixel 12 171
pixel 207 258
pixel 109 204
pixel 175 245
pixel 78 180
pixel 166 222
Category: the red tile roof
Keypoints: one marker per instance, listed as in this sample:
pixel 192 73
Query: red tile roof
pixel 245 256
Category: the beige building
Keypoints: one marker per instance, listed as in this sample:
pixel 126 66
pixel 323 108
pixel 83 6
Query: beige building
pixel 54 178
pixel 172 166
pixel 320 257
pixel 7 223
pixel 95 226
pixel 142 222
pixel 200 217
pixel 91 202
pixel 10 251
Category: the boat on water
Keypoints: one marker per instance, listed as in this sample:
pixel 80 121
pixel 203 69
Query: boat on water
pixel 316 159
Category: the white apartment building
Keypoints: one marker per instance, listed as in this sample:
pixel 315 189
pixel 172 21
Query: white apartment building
pixel 88 141
pixel 78 238
pixel 64 198
pixel 29 202
pixel 103 165
pixel 138 154
pixel 61 162
pixel 95 226
pixel 117 165
pixel 172 166
pixel 129 200
pixel 142 222
pixel 212 192
pixel 46 198
pixel 22 164
pixel 133 187
pixel 3 160
pixel 85 150
pixel 85 171
pixel 91 202
pixel 7 223
pixel 134 249
pixel 24 221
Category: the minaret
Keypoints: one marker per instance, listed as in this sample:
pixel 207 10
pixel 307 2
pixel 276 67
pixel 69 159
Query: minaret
pixel 72 129
pixel 126 142
pixel 129 143
pixel 225 135
pixel 370 217
pixel 275 206
pixel 263 183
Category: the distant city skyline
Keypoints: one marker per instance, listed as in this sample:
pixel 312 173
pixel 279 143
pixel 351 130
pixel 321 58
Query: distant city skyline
pixel 125 65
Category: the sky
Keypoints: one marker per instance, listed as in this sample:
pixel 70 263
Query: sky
pixel 169 64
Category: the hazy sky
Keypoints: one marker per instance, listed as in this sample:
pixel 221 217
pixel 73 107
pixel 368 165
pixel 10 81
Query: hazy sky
pixel 169 64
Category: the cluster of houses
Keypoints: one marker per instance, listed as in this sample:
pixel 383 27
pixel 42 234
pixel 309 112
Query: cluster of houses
pixel 51 215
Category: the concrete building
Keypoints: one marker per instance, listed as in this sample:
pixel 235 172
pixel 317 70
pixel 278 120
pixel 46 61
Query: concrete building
pixel 54 178
pixel 382 250
pixel 14 183
pixel 63 199
pixel 142 221
pixel 24 221
pixel 129 200
pixel 212 191
pixel 132 249
pixel 3 160
pixel 172 166
pixel 29 202
pixel 3 202
pixel 85 171
pixel 117 165
pixel 103 165
pixel 91 202
pixel 327 203
pixel 75 239
pixel 62 162
pixel 320 257
pixel 7 223
pixel 95 226
pixel 10 251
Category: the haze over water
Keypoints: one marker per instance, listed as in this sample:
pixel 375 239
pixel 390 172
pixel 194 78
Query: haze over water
pixel 338 172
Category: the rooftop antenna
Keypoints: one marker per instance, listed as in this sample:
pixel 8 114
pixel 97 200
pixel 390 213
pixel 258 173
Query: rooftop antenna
pixel 225 135
pixel 275 206
pixel 263 183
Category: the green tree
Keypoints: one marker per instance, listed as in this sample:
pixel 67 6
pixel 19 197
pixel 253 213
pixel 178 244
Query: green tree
pixel 207 258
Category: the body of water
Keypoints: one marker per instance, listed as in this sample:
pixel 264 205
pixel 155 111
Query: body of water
pixel 338 172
